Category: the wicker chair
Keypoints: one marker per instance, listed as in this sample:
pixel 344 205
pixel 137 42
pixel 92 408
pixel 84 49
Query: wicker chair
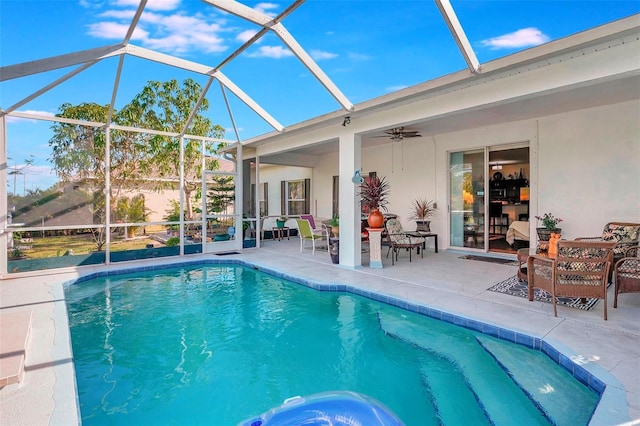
pixel 398 239
pixel 580 269
pixel 626 273
pixel 624 234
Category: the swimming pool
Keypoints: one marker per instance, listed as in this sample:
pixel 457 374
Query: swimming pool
pixel 217 344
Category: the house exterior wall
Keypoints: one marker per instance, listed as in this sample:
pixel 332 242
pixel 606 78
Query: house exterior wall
pixel 589 167
pixel 584 168
pixel 274 175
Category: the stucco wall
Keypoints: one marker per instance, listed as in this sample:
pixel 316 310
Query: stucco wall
pixel 273 175
pixel 589 167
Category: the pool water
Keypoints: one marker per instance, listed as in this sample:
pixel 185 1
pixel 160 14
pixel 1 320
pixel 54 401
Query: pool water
pixel 217 344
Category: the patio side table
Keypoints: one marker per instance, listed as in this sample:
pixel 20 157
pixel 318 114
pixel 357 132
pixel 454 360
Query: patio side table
pixel 425 235
pixel 281 232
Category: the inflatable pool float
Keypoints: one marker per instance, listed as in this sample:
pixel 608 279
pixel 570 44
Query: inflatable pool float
pixel 339 408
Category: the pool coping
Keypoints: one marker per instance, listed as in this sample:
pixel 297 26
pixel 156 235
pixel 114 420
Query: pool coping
pixel 610 409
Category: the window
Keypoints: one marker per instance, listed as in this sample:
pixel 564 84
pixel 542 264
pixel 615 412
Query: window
pixel 295 197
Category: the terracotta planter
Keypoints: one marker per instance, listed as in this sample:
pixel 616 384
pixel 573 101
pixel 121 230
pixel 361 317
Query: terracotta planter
pixel 375 219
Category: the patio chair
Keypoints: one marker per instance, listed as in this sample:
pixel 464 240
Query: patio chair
pixel 398 239
pixel 306 233
pixel 624 234
pixel 626 273
pixel 314 227
pixel 580 269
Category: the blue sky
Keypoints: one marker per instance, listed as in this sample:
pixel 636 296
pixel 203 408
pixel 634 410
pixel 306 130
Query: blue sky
pixel 368 49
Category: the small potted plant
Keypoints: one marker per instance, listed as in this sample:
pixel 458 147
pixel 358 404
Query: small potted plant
pixel 549 225
pixel 281 221
pixel 421 209
pixel 374 192
pixel 334 223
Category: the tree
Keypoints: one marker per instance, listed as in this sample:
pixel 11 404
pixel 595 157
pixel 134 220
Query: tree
pixel 167 106
pixel 78 155
pixel 79 151
pixel 222 195
pixel 131 210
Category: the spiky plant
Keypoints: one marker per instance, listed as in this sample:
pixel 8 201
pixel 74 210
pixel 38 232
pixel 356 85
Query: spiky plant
pixel 374 192
pixel 422 209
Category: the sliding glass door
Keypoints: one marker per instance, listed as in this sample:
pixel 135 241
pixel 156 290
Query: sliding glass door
pixel 466 199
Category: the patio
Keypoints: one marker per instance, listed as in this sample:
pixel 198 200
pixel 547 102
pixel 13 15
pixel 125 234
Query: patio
pixel 608 349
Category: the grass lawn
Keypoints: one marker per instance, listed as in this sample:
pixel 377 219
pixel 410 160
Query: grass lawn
pixel 79 244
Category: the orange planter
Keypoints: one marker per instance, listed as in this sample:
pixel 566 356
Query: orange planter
pixel 375 219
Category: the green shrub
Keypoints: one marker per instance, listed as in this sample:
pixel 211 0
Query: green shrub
pixel 172 242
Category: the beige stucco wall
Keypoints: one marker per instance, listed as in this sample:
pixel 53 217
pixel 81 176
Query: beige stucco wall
pixel 274 175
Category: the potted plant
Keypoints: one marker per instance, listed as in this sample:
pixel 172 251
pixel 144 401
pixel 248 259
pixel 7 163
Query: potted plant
pixel 17 254
pixel 374 192
pixel 281 221
pixel 549 225
pixel 334 223
pixel 421 209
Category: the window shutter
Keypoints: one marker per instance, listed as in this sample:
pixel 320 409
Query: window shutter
pixel 335 195
pixel 307 196
pixel 266 199
pixel 283 197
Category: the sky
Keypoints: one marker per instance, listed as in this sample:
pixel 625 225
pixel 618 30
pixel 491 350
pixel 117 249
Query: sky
pixel 368 48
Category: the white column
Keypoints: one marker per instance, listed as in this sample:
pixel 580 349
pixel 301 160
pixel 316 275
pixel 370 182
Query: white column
pixel 350 238
pixel 3 198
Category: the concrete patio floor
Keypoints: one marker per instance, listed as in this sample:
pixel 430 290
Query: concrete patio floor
pixel 608 349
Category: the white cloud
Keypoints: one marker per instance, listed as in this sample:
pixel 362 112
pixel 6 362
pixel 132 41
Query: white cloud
pixel 245 35
pixel 114 30
pixel 320 55
pixel 264 8
pixel 118 14
pixel 172 33
pixel 92 4
pixel 358 56
pixel 276 52
pixel 525 37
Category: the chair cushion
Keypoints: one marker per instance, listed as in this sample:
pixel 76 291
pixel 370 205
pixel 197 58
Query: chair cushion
pixel 310 219
pixel 399 240
pixel 394 227
pixel 625 234
pixel 621 233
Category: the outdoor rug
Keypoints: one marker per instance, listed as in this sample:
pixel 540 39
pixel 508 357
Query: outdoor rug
pixel 490 259
pixel 515 287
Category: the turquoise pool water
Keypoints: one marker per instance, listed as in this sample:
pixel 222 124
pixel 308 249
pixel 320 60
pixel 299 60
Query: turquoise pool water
pixel 217 344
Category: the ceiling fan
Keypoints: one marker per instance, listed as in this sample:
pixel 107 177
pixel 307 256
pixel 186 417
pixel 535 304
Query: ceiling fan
pixel 398 134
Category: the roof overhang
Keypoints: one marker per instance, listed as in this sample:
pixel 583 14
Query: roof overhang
pixel 595 67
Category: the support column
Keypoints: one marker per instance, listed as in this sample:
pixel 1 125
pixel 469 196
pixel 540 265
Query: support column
pixel 350 236
pixel 375 247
